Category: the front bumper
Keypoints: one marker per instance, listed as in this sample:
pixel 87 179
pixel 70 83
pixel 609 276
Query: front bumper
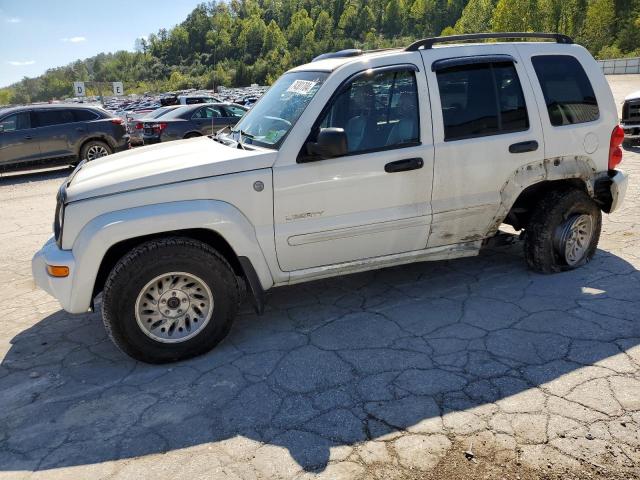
pixel 631 131
pixel 59 288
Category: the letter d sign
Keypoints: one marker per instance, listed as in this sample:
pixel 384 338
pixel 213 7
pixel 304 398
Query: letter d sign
pixel 78 89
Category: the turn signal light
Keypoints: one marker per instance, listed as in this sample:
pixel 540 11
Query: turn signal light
pixel 615 152
pixel 59 271
pixel 117 121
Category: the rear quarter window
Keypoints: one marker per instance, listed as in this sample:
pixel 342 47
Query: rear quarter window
pixel 85 115
pixel 566 88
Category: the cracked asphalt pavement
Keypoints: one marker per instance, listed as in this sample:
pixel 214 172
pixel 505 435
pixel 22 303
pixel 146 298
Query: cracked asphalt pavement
pixel 472 368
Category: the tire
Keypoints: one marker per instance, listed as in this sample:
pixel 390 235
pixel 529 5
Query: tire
pixel 94 149
pixel 548 233
pixel 192 135
pixel 126 310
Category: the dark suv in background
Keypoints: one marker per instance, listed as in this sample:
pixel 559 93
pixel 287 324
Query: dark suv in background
pixel 58 135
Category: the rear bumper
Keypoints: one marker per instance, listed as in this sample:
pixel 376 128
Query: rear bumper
pixel 123 144
pixel 618 188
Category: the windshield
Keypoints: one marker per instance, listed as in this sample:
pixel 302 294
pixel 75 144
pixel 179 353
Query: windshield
pixel 271 119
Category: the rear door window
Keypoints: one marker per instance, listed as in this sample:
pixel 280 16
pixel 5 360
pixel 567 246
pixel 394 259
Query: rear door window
pixel 481 99
pixel 566 88
pixel 57 116
pixel 208 112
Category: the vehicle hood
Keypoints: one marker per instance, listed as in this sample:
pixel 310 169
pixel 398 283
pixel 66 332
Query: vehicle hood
pixel 633 95
pixel 160 164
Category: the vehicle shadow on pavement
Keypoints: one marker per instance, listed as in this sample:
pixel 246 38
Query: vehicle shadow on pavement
pixel 333 362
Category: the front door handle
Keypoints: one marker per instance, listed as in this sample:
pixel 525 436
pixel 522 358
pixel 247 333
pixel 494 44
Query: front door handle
pixel 404 165
pixel 522 147
pixel 28 137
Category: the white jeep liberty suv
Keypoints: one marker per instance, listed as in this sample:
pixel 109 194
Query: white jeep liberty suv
pixel 355 161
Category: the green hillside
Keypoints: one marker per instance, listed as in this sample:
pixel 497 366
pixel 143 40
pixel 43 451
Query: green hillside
pixel 252 41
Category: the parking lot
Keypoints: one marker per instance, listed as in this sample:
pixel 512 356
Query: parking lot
pixel 472 368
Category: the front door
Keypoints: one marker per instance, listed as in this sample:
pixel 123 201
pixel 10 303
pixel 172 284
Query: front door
pixel 373 201
pixel 489 126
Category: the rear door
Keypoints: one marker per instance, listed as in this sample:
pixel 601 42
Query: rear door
pixel 486 126
pixel 17 141
pixel 56 132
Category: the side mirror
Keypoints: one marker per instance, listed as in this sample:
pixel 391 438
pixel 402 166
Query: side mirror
pixel 1 128
pixel 331 143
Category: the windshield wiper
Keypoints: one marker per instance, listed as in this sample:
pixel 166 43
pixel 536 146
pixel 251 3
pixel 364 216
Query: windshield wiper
pixel 240 134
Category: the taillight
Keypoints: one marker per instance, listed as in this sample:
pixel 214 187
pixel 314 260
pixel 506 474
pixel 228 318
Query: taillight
pixel 615 152
pixel 117 121
pixel 139 126
pixel 158 127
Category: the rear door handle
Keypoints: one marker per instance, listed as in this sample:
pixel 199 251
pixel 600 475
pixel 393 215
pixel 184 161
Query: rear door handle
pixel 522 147
pixel 404 165
pixel 28 137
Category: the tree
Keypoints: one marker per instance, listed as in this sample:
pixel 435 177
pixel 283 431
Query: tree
pixel 476 17
pixel 598 25
pixel 516 16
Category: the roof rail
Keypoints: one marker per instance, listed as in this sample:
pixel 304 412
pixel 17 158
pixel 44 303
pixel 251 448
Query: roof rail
pixel 350 52
pixel 427 43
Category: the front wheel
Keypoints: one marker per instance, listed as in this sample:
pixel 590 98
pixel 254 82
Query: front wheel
pixel 169 300
pixel 563 232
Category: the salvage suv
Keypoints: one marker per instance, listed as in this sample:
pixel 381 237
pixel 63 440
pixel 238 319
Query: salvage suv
pixel 355 161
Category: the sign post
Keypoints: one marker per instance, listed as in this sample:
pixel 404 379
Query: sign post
pixel 78 89
pixel 118 89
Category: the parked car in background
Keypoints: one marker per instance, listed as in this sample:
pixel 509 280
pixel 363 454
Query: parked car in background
pixel 58 134
pixel 135 122
pixel 191 121
pixel 631 117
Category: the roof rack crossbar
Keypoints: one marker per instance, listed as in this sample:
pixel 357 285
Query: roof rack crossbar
pixel 427 43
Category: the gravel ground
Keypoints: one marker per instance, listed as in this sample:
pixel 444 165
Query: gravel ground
pixel 388 374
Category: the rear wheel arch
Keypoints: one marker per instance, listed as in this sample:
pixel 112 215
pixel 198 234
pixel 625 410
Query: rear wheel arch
pixel 523 206
pixel 531 180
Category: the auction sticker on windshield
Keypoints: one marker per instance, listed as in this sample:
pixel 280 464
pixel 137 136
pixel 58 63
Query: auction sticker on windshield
pixel 302 87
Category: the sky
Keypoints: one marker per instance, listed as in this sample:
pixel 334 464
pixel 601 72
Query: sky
pixel 39 34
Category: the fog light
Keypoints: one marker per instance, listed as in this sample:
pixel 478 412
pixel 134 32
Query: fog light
pixel 58 270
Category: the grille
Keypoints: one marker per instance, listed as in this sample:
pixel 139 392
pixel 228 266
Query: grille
pixel 631 111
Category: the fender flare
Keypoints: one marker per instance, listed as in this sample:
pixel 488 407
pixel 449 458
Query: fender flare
pixel 104 231
pixel 558 168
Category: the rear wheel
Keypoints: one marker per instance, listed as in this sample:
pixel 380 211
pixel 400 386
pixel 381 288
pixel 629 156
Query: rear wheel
pixel 563 232
pixel 95 149
pixel 169 299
